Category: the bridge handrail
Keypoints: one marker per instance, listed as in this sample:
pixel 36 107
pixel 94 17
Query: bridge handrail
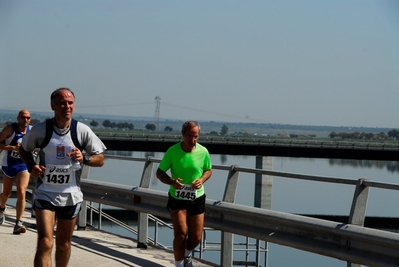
pixel 345 241
pixel 309 234
pixel 317 178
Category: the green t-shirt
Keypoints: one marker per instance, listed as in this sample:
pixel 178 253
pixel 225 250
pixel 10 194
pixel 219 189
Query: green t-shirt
pixel 186 165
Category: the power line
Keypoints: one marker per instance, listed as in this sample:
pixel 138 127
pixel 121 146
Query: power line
pixel 209 112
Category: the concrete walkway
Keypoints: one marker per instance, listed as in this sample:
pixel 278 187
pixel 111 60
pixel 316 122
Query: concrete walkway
pixel 90 248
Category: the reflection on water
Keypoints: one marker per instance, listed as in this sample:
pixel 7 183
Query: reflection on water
pixel 391 166
pixel 223 159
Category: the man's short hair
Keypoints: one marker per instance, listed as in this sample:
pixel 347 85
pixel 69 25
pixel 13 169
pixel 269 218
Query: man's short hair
pixel 188 125
pixel 55 93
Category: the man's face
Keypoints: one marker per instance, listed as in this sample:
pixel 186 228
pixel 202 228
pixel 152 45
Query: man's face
pixel 63 104
pixel 190 137
pixel 23 118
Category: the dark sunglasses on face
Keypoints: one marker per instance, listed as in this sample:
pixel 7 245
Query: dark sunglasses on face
pixel 24 117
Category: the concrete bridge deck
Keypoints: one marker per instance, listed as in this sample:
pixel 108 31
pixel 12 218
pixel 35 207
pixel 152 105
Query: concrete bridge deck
pixel 89 248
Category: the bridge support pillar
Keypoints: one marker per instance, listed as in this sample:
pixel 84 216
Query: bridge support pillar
pixel 263 183
pixel 263 194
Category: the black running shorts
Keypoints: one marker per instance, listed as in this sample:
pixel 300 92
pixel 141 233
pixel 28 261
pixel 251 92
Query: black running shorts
pixel 62 213
pixel 193 207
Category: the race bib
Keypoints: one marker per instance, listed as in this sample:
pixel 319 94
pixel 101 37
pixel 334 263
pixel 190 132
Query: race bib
pixel 186 192
pixel 15 154
pixel 58 175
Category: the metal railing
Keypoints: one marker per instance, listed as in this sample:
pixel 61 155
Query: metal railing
pixel 204 244
pixel 101 214
pixel 157 222
pixel 350 242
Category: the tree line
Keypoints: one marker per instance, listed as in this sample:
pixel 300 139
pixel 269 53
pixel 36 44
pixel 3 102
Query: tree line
pixel 149 126
pixel 130 126
pixel 392 134
pixel 127 126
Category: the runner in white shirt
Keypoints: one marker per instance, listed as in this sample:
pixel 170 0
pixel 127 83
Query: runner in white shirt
pixel 57 195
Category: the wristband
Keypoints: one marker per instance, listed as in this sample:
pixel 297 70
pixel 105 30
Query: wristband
pixel 30 167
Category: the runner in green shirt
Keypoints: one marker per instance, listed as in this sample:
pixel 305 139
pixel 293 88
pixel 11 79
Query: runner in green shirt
pixel 190 167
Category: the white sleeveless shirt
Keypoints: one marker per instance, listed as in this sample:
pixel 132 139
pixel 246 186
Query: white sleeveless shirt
pixel 59 176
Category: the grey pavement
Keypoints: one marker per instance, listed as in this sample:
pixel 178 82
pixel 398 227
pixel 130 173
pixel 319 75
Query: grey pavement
pixel 90 248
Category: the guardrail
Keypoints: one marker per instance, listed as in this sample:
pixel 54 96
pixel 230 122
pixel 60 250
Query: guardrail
pixel 350 242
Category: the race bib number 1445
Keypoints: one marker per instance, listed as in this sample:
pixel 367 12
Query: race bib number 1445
pixel 186 192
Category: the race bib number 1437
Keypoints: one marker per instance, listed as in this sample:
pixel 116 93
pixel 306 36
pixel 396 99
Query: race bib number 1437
pixel 57 175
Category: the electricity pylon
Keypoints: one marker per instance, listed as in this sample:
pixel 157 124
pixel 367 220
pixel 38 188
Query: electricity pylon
pixel 157 110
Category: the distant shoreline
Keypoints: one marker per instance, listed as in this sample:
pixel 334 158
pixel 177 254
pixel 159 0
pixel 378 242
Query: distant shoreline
pixel 235 128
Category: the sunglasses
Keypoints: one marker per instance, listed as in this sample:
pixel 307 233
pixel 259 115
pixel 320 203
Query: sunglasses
pixel 25 118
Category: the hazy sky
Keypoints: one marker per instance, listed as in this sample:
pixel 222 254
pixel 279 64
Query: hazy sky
pixel 320 62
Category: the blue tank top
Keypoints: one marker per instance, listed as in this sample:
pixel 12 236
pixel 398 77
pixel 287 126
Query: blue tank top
pixel 12 156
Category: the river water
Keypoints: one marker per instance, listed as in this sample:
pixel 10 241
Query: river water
pixel 288 195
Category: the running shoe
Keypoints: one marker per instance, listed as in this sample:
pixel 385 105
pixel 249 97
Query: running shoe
pixel 188 262
pixel 19 229
pixel 2 216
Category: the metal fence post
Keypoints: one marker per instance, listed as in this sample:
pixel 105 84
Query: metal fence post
pixel 147 173
pixel 82 217
pixel 227 238
pixel 142 219
pixel 231 185
pixel 359 203
pixel 358 210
